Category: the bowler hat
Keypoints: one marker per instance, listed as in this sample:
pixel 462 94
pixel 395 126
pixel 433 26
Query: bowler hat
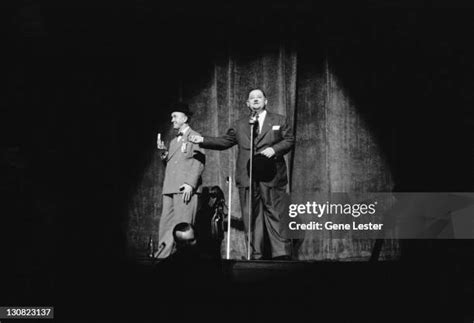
pixel 264 168
pixel 181 107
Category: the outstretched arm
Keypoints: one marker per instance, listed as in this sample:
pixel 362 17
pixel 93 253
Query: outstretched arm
pixel 216 143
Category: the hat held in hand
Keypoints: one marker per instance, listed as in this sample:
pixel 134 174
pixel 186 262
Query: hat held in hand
pixel 264 168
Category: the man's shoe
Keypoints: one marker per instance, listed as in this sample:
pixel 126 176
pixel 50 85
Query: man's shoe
pixel 256 258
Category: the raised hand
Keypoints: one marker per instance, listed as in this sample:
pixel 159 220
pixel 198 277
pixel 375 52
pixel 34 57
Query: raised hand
pixel 159 143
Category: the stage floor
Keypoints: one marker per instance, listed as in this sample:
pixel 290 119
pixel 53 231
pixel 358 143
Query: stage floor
pixel 263 291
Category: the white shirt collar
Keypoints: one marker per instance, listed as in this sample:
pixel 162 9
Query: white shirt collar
pixel 261 119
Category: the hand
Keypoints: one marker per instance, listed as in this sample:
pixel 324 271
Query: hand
pixel 268 152
pixel 187 192
pixel 159 143
pixel 195 139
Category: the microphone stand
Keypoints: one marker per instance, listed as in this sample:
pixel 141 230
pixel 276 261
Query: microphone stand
pixel 229 217
pixel 252 122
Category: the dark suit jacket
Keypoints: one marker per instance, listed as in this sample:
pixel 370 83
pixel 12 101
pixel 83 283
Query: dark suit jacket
pixel 184 164
pixel 276 133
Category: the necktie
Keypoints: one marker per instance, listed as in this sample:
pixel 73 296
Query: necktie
pixel 256 126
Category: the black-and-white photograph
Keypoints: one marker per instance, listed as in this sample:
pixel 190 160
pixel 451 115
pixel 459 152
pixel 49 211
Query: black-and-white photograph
pixel 283 161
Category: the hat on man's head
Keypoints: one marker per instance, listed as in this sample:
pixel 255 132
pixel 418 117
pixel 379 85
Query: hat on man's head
pixel 264 168
pixel 181 107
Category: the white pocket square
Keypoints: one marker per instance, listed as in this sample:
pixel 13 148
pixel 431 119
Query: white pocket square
pixel 276 128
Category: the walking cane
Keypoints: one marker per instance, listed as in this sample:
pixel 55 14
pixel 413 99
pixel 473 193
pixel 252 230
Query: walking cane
pixel 229 216
pixel 252 122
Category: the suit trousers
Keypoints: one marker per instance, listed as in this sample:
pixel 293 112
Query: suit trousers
pixel 174 211
pixel 269 207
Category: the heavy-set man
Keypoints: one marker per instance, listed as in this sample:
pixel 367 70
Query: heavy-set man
pixel 273 139
pixel 184 165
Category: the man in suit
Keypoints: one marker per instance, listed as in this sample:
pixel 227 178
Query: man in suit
pixel 273 139
pixel 184 165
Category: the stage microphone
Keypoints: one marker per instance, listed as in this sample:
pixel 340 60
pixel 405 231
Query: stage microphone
pixel 160 250
pixel 253 117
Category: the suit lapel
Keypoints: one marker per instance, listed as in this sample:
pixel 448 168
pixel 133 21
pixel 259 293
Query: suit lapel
pixel 245 129
pixel 267 125
pixel 186 135
pixel 173 147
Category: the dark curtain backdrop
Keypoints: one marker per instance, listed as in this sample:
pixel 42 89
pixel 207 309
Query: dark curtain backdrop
pixel 381 99
pixel 334 151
